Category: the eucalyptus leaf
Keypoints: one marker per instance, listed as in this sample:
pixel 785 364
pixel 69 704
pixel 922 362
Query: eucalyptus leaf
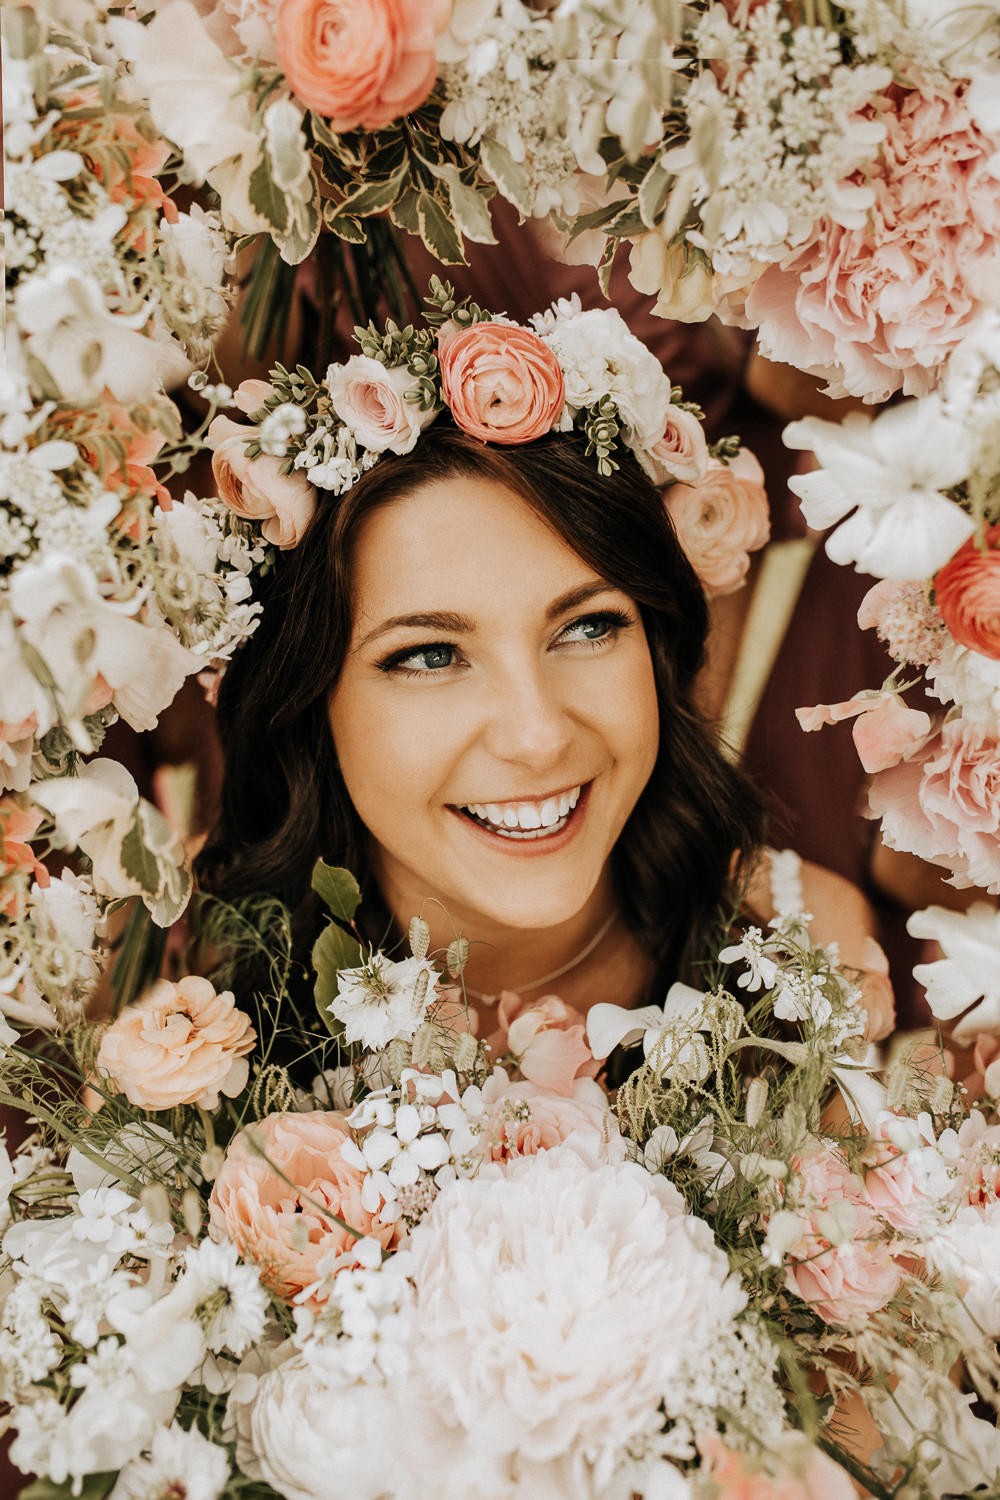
pixel 337 889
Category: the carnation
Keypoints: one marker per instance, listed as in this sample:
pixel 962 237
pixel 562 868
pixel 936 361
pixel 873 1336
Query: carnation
pixel 542 1297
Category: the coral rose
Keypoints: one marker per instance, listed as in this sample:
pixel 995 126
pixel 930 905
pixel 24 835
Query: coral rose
pixel 721 521
pixel 180 1044
pixel 360 62
pixel 501 382
pixel 967 591
pixel 278 1222
pixel 546 1038
pixel 256 489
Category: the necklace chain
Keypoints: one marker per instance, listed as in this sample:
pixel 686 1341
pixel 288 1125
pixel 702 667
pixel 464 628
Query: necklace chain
pixel 585 952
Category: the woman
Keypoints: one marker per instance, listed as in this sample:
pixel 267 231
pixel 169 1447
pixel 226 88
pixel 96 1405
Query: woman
pixel 472 685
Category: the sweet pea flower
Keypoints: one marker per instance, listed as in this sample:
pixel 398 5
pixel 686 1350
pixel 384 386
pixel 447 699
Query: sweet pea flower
pixel 546 1037
pixel 885 731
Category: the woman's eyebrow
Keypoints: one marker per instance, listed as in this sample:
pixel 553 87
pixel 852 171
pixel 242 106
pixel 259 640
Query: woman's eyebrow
pixel 455 624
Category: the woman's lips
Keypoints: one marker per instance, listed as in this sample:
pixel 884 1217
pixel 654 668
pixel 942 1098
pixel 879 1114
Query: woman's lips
pixel 528 841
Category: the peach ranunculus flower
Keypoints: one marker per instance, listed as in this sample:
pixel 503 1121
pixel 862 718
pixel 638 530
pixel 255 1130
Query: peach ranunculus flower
pixel 285 1224
pixel 256 489
pixel 681 455
pixel 180 1044
pixel 546 1039
pixel 796 1470
pixel 501 382
pixel 967 592
pixel 720 521
pixel 885 730
pixel 840 1265
pixel 842 307
pixel 371 399
pixel 360 62
pixel 943 804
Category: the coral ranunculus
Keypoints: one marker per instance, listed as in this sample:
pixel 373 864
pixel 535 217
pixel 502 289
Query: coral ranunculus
pixel 967 590
pixel 360 62
pixel 501 382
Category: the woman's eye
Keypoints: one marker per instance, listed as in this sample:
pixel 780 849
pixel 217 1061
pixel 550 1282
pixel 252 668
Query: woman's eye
pixel 421 660
pixel 596 629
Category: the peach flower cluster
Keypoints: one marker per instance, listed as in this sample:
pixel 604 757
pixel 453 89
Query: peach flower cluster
pixel 255 488
pixel 501 382
pixel 180 1044
pixel 721 520
pixel 840 1265
pixel 879 308
pixel 546 1039
pixel 967 591
pixel 360 62
pixel 279 1193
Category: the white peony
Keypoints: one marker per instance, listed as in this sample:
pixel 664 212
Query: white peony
pixel 890 472
pixel 317 1441
pixel 600 357
pixel 965 982
pixel 556 1302
pixel 966 1252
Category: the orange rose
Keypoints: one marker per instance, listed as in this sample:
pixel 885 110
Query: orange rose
pixel 278 1222
pixel 360 62
pixel 180 1044
pixel 501 382
pixel 968 595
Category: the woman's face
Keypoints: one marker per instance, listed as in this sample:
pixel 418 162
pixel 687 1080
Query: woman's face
pixel 496 717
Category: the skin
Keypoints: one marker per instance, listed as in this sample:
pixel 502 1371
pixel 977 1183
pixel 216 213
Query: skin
pixel 539 682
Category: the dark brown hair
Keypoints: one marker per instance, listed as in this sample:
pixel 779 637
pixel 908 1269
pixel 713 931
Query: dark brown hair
pixel 284 803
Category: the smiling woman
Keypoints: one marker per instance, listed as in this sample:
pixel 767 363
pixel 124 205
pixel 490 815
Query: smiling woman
pixel 472 686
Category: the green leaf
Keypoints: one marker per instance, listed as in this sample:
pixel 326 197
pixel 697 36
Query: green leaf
pixel 303 232
pixel 266 197
pixel 374 197
pixel 333 950
pixel 469 208
pixel 94 1487
pixel 403 212
pixel 509 177
pixel 337 889
pixel 343 225
pixel 138 860
pixel 438 232
pixel 652 195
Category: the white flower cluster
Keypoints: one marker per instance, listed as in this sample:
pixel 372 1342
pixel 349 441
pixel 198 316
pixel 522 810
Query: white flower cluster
pixel 805 982
pixel 362 1328
pixel 776 130
pixel 959 38
pixel 49 963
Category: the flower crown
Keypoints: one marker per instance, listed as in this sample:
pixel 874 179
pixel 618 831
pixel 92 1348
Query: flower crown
pixel 503 383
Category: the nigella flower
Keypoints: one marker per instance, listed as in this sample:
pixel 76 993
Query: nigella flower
pixel 381 999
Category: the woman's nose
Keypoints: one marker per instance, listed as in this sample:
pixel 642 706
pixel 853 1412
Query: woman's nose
pixel 528 722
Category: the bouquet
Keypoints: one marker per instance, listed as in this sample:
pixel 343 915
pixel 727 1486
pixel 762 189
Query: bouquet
pixel 410 1257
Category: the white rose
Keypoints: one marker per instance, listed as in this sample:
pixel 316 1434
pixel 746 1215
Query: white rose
pixel 371 400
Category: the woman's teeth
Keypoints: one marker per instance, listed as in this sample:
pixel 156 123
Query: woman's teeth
pixel 525 820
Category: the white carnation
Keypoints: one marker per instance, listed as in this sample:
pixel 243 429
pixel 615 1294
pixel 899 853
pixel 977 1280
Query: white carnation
pixel 543 1295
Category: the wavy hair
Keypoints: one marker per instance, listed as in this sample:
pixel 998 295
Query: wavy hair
pixel 284 805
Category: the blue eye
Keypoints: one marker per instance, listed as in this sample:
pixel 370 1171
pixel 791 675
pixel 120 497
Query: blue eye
pixel 597 629
pixel 421 660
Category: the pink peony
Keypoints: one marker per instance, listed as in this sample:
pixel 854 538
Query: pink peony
pixel 839 1265
pixel 372 401
pixel 721 521
pixel 360 62
pixel 885 730
pixel 521 1119
pixel 256 489
pixel 501 382
pixel 943 804
pixel 880 308
pixel 284 1224
pixel 180 1044
pixel 967 592
pixel 681 455
pixel 546 1039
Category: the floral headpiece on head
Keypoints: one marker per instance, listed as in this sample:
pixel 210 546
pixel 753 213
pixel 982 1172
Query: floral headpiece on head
pixel 503 382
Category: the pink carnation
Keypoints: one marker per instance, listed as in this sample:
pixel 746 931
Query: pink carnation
pixel 546 1039
pixel 285 1224
pixel 880 308
pixel 256 489
pixel 720 521
pixel 501 382
pixel 943 804
pixel 839 1265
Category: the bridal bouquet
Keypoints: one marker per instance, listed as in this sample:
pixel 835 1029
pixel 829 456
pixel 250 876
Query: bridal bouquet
pixel 361 1251
pixel 111 593
pixel 918 486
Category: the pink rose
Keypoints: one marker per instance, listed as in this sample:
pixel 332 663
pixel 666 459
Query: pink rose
pixel 880 308
pixel 360 62
pixel 796 1470
pixel 250 395
pixel 372 401
pixel 546 1039
pixel 286 1230
pixel 681 455
pixel 967 592
pixel 885 730
pixel 256 489
pixel 180 1044
pixel 892 1182
pixel 943 804
pixel 501 382
pixel 721 521
pixel 521 1119
pixel 839 1265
